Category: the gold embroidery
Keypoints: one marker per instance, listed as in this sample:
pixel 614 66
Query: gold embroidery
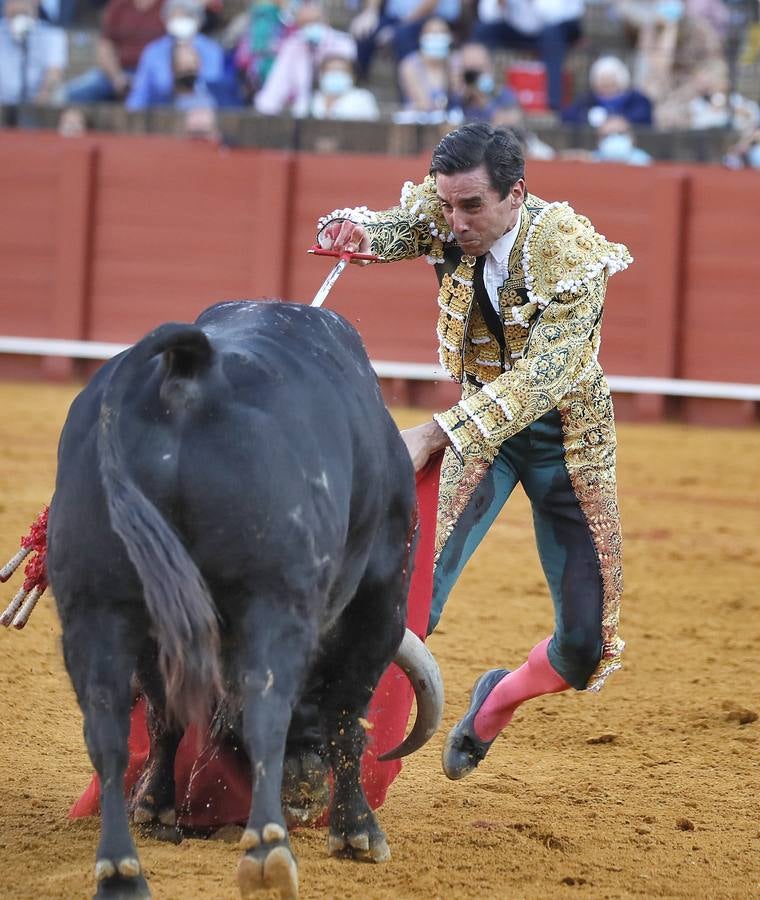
pixel 589 441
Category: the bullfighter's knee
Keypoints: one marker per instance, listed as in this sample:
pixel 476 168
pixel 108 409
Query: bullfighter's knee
pixel 575 655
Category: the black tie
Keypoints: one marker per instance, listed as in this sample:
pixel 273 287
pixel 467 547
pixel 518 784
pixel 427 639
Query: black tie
pixel 490 316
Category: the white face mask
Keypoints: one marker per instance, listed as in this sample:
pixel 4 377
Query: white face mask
pixel 615 147
pixel 336 82
pixel 435 45
pixel 183 28
pixel 20 26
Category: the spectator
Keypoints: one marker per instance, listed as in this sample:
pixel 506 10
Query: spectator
pixel 400 23
pixel 548 27
pixel 189 88
pixel 72 122
pixel 338 97
pixel 479 97
pixel 715 106
pixel 290 84
pixel 426 75
pixel 616 143
pixel 611 94
pixel 200 123
pixel 745 154
pixel 154 80
pixel 128 27
pixel 32 55
pixel 266 27
pixel 671 50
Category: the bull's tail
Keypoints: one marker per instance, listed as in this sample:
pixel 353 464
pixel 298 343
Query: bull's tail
pixel 176 596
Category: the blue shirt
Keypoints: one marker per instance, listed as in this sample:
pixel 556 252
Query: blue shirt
pixel 153 84
pixel 46 49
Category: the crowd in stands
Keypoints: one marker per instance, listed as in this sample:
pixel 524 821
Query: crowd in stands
pixel 298 57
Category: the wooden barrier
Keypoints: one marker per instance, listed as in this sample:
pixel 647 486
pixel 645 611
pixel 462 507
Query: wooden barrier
pixel 101 238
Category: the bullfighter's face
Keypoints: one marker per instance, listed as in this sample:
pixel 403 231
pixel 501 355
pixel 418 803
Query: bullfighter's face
pixel 474 211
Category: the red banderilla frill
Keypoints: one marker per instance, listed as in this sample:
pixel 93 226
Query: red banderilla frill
pixel 35 573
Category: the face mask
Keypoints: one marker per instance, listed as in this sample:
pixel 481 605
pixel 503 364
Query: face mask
pixel 485 83
pixel 435 45
pixel 182 27
pixel 313 32
pixel 185 82
pixel 336 82
pixel 753 156
pixel 615 147
pixel 20 26
pixel 670 10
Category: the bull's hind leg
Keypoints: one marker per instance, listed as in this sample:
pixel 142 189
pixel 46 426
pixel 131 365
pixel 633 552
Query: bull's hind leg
pixel 153 801
pixel 276 647
pixel 100 657
pixel 371 630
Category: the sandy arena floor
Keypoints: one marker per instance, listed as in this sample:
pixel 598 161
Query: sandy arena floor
pixel 650 789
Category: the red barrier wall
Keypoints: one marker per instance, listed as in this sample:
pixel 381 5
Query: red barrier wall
pixel 104 237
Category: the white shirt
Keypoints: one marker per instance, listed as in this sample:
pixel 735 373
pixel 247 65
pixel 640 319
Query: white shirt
pixel 530 16
pixel 496 268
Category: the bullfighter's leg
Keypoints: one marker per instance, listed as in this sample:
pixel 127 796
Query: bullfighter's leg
pixel 371 630
pixel 153 802
pixel 483 506
pixel 274 656
pixel 101 671
pixel 571 490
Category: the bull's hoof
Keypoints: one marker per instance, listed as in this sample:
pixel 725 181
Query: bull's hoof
pixel 305 788
pixel 120 879
pixel 270 870
pixel 160 825
pixel 367 845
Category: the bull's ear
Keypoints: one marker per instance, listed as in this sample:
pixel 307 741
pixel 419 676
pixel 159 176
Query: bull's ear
pixel 419 664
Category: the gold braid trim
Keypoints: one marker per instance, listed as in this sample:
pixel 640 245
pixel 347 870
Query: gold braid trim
pixel 589 440
pixel 458 481
pixel 454 299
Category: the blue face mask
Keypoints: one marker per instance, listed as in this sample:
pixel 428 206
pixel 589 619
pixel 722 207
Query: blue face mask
pixel 615 147
pixel 670 10
pixel 435 45
pixel 313 32
pixel 753 156
pixel 335 82
pixel 485 83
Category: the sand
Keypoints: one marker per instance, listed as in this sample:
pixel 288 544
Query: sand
pixel 649 789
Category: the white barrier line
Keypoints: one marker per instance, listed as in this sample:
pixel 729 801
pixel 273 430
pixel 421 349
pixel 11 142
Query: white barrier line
pixel 625 384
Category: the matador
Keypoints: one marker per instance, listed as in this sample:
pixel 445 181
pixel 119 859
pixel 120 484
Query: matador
pixel 521 292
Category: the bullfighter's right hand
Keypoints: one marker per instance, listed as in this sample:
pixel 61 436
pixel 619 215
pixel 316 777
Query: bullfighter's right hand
pixel 346 237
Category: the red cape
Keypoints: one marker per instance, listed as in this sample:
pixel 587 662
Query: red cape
pixel 215 781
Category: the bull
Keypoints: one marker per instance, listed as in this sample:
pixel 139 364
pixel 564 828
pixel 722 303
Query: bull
pixel 232 526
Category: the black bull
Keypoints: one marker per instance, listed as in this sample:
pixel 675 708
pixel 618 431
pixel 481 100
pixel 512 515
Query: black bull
pixel 231 525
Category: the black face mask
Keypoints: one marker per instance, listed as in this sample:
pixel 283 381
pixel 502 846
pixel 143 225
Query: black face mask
pixel 185 82
pixel 470 76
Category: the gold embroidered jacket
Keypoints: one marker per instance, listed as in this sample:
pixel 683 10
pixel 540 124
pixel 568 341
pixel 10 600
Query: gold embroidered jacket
pixel 550 309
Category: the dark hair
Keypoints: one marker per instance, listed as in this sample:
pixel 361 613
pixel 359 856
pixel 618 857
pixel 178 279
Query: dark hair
pixel 476 144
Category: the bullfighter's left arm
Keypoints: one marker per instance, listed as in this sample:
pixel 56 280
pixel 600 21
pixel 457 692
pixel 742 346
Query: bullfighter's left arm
pixel 567 265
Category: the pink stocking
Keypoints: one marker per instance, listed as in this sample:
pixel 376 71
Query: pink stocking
pixel 536 676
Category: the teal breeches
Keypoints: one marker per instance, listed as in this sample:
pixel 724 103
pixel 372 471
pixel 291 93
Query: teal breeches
pixel 535 457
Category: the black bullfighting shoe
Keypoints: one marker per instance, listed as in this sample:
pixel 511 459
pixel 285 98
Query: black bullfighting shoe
pixel 463 749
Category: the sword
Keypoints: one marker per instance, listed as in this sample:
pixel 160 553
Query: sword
pixel 343 260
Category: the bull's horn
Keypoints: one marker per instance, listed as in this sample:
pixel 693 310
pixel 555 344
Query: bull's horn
pixel 422 670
